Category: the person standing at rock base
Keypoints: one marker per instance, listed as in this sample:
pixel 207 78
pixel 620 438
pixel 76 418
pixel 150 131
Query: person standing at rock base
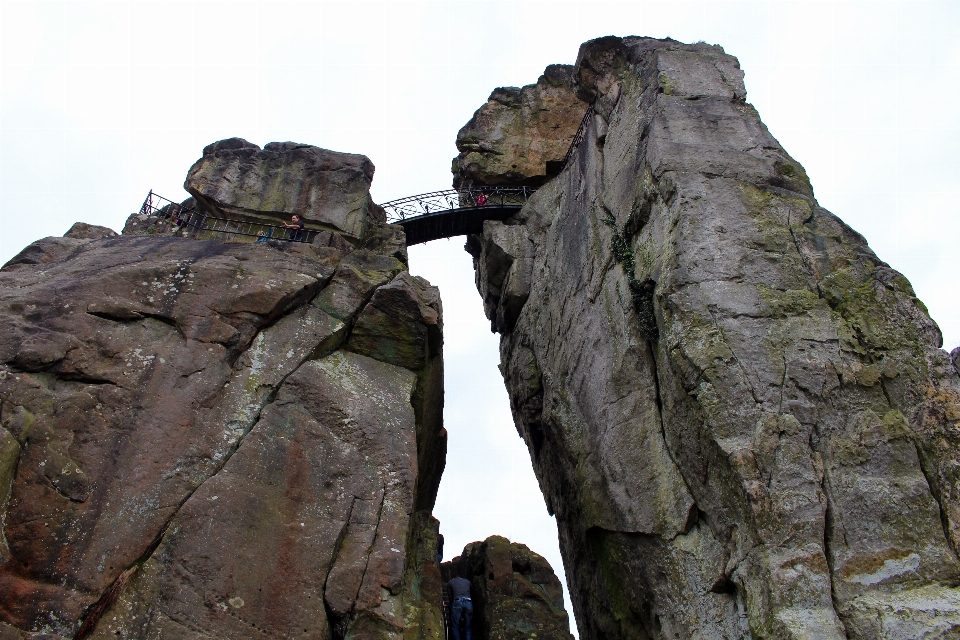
pixel 461 605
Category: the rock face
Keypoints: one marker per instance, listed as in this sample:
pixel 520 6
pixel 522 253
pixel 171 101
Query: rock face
pixel 84 231
pixel 329 190
pixel 741 417
pixel 520 136
pixel 209 440
pixel 515 591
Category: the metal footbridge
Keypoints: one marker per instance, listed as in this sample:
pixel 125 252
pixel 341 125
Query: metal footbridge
pixel 454 212
pixel 424 217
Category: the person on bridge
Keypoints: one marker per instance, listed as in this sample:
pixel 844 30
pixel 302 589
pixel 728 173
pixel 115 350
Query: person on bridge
pixel 481 199
pixel 461 607
pixel 297 224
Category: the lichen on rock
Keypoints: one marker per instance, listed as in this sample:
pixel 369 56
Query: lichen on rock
pixel 237 179
pixel 741 417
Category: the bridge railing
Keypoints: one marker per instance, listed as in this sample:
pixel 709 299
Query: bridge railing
pixel 439 201
pixel 195 224
pixel 577 137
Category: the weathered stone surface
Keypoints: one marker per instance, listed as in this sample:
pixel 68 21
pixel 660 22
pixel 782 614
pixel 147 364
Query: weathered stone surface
pixel 329 190
pixel 410 342
pixel 327 475
pixel 422 619
pixel 189 449
pixel 504 261
pixel 84 231
pixel 46 250
pixel 357 277
pixel 520 135
pixel 741 417
pixel 12 633
pixel 515 591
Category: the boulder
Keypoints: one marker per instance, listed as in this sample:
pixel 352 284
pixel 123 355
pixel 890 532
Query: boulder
pixel 741 417
pixel 410 343
pixel 237 179
pixel 84 231
pixel 515 592
pixel 521 135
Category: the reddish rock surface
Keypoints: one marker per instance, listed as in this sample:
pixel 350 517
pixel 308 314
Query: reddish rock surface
pixel 199 441
pixel 521 135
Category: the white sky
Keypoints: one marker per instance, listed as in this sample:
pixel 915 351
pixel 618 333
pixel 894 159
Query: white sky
pixel 102 101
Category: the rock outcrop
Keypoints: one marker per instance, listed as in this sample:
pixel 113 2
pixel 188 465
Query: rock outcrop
pixel 741 417
pixel 218 440
pixel 329 190
pixel 164 222
pixel 515 592
pixel 520 136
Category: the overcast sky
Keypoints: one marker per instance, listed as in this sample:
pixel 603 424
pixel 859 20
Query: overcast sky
pixel 102 101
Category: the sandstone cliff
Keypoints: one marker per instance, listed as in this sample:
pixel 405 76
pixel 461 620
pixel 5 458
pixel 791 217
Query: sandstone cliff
pixel 516 594
pixel 219 440
pixel 741 416
pixel 520 136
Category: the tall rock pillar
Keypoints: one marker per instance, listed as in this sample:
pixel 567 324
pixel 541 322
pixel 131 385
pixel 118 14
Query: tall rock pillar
pixel 741 417
pixel 236 440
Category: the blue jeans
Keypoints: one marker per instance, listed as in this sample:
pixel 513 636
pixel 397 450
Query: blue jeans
pixel 464 609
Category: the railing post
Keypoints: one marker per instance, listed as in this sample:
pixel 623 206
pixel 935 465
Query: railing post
pixel 145 207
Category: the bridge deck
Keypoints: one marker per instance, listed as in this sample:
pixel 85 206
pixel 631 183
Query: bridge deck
pixel 453 222
pixel 442 214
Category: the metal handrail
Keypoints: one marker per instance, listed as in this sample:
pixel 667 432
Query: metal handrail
pixel 204 227
pixel 577 137
pixel 436 202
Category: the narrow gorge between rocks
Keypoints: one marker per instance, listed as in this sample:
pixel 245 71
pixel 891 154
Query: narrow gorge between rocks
pixel 741 419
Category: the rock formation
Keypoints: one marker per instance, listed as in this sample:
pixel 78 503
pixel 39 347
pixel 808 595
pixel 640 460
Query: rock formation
pixel 520 136
pixel 741 417
pixel 165 222
pixel 237 179
pixel 223 440
pixel 516 594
